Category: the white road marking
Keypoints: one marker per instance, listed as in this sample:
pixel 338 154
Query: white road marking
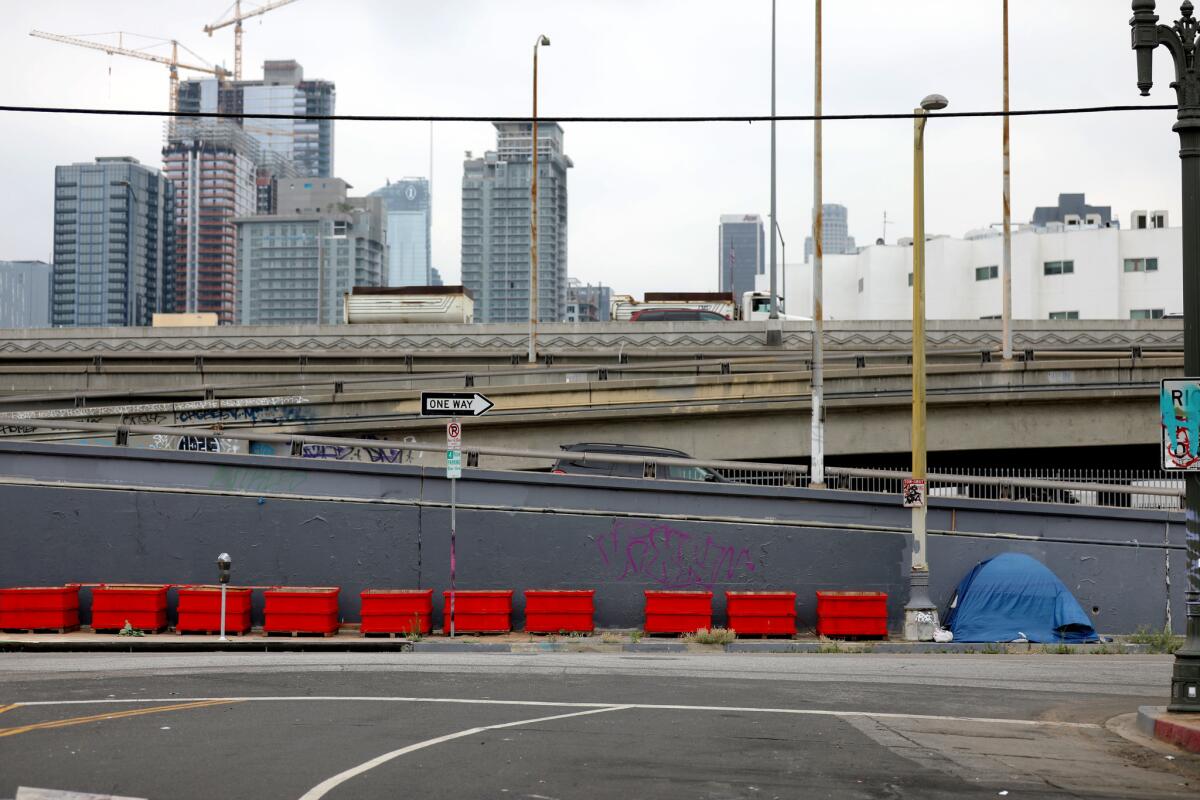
pixel 325 786
pixel 817 712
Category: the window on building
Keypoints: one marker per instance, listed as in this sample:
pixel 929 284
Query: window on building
pixel 987 273
pixel 992 316
pixel 1058 267
pixel 909 280
pixel 1064 315
pixel 1146 313
pixel 1141 265
pixel 860 285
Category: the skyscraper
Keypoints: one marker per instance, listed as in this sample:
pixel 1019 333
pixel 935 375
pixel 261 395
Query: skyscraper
pixel 294 267
pixel 213 165
pixel 495 225
pixel 835 233
pixel 282 90
pixel 407 205
pixel 113 236
pixel 25 294
pixel 741 252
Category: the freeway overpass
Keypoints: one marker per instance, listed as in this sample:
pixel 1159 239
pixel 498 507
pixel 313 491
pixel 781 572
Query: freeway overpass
pixel 760 411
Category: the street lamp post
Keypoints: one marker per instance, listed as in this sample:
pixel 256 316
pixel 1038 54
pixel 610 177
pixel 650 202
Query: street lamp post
pixel 920 614
pixel 1180 41
pixel 783 271
pixel 533 214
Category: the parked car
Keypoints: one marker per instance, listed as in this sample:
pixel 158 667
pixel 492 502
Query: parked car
pixel 675 472
pixel 676 315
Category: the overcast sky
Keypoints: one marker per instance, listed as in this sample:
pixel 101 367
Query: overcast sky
pixel 645 198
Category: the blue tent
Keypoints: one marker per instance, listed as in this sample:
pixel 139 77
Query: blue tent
pixel 1014 596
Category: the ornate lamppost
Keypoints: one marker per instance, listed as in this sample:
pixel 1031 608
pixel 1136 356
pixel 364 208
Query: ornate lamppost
pixel 1180 41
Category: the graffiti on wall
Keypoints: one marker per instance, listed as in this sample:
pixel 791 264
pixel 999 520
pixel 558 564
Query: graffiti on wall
pixel 372 455
pixel 670 558
pixel 1179 411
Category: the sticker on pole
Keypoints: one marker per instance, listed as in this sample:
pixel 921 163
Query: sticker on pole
pixel 454 404
pixel 914 492
pixel 1179 409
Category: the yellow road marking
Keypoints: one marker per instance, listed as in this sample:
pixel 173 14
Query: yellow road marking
pixel 7 708
pixel 62 723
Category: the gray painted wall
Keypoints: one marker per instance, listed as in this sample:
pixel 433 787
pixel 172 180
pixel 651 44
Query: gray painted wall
pixel 80 513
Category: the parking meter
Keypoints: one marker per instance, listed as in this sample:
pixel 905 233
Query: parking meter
pixel 224 563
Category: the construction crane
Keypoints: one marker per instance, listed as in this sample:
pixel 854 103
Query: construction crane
pixel 173 63
pixel 236 21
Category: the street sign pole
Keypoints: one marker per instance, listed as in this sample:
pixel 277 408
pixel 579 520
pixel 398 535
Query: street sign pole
pixel 453 472
pixel 453 502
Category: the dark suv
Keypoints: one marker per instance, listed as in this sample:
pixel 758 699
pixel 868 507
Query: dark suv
pixel 675 472
pixel 676 315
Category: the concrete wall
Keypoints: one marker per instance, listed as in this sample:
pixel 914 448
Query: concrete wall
pixel 97 514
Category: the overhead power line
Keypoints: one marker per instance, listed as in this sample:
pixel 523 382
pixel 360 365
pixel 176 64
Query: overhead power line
pixel 126 112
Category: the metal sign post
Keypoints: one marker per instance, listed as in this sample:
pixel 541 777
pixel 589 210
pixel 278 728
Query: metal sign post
pixel 453 405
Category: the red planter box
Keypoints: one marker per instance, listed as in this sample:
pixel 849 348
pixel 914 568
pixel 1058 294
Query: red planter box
pixel 852 613
pixel 554 610
pixel 200 610
pixel 397 610
pixel 479 611
pixel 301 609
pixel 677 612
pixel 28 608
pixel 762 613
pixel 143 606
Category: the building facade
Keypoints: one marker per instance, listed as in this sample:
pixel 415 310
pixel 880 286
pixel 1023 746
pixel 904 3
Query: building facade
pixel 835 233
pixel 587 302
pixel 294 267
pixel 282 90
pixel 741 252
pixel 25 294
pixel 1072 210
pixel 496 225
pixel 407 204
pixel 113 243
pixel 1058 272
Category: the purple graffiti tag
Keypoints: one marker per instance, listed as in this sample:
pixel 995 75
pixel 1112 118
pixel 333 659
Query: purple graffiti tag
pixel 670 558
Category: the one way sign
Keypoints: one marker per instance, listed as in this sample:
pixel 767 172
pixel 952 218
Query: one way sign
pixel 454 404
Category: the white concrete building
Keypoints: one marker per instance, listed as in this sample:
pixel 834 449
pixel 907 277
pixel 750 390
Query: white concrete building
pixel 1075 272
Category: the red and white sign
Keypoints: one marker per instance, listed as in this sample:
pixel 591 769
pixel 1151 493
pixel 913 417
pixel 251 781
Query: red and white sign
pixel 454 434
pixel 914 492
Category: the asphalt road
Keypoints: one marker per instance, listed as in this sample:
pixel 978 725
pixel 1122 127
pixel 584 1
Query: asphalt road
pixel 358 725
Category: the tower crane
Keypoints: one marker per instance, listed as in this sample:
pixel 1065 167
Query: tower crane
pixel 173 63
pixel 235 19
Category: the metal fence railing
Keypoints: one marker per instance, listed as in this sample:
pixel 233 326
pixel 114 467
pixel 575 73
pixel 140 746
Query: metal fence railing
pixel 1142 489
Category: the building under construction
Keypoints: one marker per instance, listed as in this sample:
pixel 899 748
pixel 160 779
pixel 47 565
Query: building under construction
pixel 216 168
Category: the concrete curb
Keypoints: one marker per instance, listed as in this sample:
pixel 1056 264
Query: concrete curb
pixel 1181 730
pixel 349 641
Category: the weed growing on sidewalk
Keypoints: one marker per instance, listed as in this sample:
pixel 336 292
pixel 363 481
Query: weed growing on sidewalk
pixel 636 636
pixel 711 636
pixel 610 638
pixel 1157 641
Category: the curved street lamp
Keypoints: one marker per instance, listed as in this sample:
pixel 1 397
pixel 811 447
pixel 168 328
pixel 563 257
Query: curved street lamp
pixel 542 41
pixel 1180 41
pixel 920 614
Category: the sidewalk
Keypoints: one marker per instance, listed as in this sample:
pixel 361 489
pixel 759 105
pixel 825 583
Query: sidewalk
pixel 349 639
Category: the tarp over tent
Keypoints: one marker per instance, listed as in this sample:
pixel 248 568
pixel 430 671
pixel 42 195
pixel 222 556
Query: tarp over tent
pixel 1014 596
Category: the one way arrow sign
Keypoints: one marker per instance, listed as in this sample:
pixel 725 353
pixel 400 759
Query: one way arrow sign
pixel 454 404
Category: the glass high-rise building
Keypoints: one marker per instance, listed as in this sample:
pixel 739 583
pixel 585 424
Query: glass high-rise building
pixel 740 252
pixel 496 225
pixel 407 207
pixel 294 267
pixel 282 90
pixel 113 243
pixel 25 294
pixel 835 233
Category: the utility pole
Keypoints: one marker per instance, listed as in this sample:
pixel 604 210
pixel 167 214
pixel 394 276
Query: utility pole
pixel 774 331
pixel 1006 313
pixel 817 378
pixel 1180 42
